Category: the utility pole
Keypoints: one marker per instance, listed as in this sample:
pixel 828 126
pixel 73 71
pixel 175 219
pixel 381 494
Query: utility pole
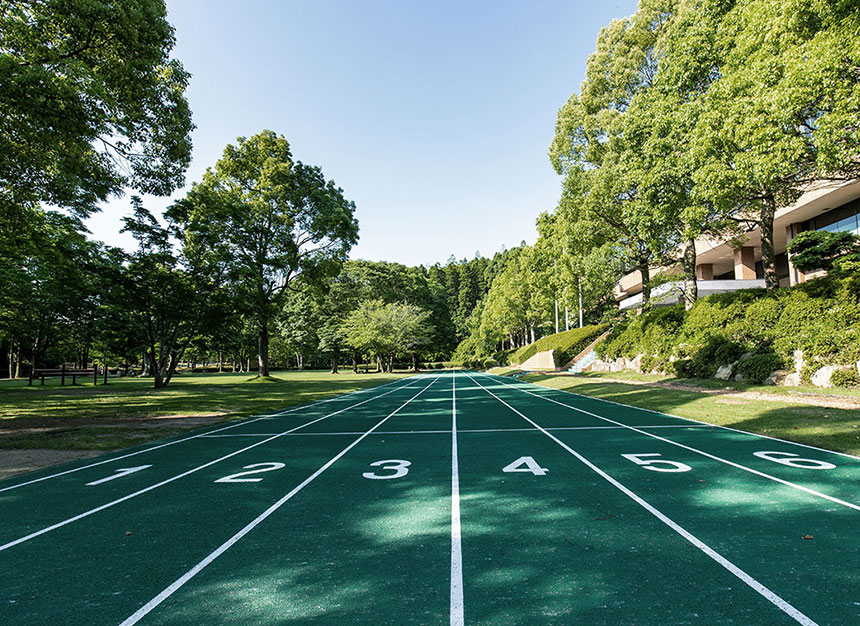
pixel 580 301
pixel 566 318
pixel 556 315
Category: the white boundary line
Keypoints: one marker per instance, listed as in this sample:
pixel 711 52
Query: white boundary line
pixel 179 582
pixel 457 618
pixel 782 481
pixel 208 432
pixel 97 509
pixel 689 419
pixel 769 595
pixel 382 433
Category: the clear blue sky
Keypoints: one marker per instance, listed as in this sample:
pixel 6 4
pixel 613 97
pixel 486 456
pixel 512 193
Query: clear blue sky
pixel 434 117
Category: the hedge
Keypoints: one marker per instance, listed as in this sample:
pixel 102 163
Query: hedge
pixel 566 344
pixel 821 318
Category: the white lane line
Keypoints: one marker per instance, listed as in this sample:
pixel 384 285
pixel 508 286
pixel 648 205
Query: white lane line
pixel 382 433
pixel 695 421
pixel 769 595
pixel 81 516
pixel 457 618
pixel 179 582
pixel 787 483
pixel 243 422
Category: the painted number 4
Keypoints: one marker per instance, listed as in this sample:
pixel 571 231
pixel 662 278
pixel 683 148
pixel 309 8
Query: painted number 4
pixel 657 465
pixel 526 464
pixel 399 468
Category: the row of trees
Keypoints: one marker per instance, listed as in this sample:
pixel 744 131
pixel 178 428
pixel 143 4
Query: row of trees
pixel 702 117
pixel 696 117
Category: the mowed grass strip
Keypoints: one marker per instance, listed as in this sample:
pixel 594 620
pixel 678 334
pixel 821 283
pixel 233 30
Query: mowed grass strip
pixel 829 428
pixel 129 411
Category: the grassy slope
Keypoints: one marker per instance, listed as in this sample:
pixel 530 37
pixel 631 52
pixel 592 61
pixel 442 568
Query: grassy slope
pixel 86 417
pixel 833 429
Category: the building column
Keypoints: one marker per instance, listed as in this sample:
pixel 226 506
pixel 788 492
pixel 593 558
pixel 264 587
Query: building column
pixel 795 276
pixel 705 271
pixel 745 263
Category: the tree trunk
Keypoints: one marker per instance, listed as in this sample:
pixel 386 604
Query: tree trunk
pixel 415 362
pixel 335 357
pixel 691 288
pixel 263 349
pixel 532 332
pixel 220 362
pixel 646 284
pixel 768 256
pixel 390 363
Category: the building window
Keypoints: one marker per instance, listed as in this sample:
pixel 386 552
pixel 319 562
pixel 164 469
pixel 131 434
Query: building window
pixel 843 219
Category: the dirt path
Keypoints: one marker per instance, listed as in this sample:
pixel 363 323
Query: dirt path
pixel 794 397
pixel 134 431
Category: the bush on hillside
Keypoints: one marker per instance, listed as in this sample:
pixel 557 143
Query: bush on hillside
pixel 490 363
pixel 845 378
pixel 758 367
pixel 652 332
pixel 821 318
pixel 566 344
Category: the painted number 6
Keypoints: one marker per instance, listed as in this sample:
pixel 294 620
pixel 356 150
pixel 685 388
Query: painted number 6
pixel 652 464
pixel 398 466
pixel 793 460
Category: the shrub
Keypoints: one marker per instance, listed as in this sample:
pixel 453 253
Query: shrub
pixel 845 378
pixel 682 368
pixel 759 366
pixel 566 344
pixel 717 350
pixel 488 363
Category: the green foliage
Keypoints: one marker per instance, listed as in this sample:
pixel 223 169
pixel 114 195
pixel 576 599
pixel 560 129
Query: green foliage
pixel 821 318
pixel 489 363
pixel 652 332
pixel 845 378
pixel 387 330
pixel 90 103
pixel 566 344
pixel 819 249
pixel 758 367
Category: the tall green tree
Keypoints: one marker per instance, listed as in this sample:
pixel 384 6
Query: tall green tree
pixel 783 112
pixel 90 103
pixel 274 219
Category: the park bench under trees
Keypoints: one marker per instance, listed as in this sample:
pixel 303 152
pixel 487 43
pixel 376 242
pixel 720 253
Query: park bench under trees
pixel 63 372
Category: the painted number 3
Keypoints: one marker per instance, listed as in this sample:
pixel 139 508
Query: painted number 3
pixel 399 468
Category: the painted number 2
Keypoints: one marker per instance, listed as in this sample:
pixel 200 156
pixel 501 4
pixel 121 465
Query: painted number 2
pixel 657 465
pixel 261 467
pixel 526 464
pixel 399 468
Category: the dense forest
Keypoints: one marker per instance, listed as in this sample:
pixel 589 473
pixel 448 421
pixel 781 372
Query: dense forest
pixel 696 118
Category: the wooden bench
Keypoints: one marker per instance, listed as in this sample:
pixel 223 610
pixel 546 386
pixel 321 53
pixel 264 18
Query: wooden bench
pixel 63 372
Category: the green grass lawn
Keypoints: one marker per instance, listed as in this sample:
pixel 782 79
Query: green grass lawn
pixel 713 383
pixel 129 411
pixel 833 429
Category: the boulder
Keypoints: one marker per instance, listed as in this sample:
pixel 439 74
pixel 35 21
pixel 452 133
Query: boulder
pixel 745 356
pixel 778 377
pixel 821 377
pixel 792 380
pixel 634 364
pixel 739 377
pixel 618 365
pixel 724 372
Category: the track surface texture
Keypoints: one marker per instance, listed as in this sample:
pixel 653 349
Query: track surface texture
pixel 444 498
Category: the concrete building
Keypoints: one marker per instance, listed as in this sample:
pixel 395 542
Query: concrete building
pixel 721 268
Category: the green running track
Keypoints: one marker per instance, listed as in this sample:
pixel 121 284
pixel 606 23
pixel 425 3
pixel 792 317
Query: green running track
pixel 444 498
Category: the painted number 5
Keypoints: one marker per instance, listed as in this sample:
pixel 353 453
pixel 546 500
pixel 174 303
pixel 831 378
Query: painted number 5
pixel 398 466
pixel 657 465
pixel 793 460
